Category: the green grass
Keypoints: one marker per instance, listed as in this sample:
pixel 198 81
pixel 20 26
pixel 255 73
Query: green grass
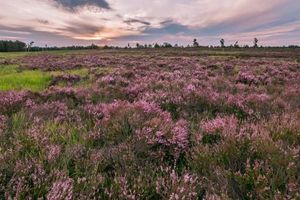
pixel 13 79
pixel 10 55
pixel 82 72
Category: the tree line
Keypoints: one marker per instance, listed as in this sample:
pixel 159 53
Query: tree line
pixel 196 44
pixel 13 46
pixel 10 46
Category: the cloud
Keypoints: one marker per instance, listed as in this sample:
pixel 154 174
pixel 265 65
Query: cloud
pixel 80 28
pixel 132 21
pixel 43 21
pixel 74 4
pixel 168 27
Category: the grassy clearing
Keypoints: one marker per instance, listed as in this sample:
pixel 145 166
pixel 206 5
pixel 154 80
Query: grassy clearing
pixel 82 72
pixel 9 55
pixel 106 70
pixel 13 79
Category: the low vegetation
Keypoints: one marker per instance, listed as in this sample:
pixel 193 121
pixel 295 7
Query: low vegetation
pixel 11 78
pixel 145 126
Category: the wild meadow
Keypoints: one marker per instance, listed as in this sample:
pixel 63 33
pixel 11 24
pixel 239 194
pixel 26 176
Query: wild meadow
pixel 150 124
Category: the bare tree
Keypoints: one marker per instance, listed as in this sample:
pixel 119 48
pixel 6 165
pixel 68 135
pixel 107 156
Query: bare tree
pixel 30 45
pixel 222 42
pixel 236 44
pixel 255 41
pixel 195 43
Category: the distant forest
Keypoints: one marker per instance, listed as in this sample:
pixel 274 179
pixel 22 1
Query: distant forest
pixel 15 46
pixel 9 46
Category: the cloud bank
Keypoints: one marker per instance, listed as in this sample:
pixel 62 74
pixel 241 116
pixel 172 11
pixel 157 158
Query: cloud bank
pixel 73 4
pixel 118 22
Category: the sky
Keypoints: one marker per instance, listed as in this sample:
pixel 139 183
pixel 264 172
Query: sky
pixel 119 22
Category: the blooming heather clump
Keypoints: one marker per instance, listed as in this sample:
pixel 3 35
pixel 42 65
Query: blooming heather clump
pixel 67 94
pixel 180 134
pixel 56 110
pixel 247 78
pixel 29 103
pixel 147 107
pixel 94 111
pixel 53 152
pixel 2 123
pixel 175 187
pixel 125 192
pixel 61 189
pixel 29 175
pixel 147 120
pixel 134 90
pixel 11 101
pixel 108 79
pixel 190 88
pixel 226 126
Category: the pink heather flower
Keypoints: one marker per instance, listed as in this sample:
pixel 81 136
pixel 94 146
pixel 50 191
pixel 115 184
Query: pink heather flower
pixel 135 89
pixel 227 126
pixel 258 97
pixel 57 110
pixel 53 152
pixel 214 125
pixel 2 123
pixel 235 100
pixel 180 134
pixel 61 190
pixel 94 111
pixel 247 78
pixel 29 103
pixel 126 192
pixel 190 88
pixel 10 101
pixel 148 107
pixel 108 79
pixel 175 187
pixel 59 91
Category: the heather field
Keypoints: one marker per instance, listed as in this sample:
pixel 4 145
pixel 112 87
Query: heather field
pixel 150 124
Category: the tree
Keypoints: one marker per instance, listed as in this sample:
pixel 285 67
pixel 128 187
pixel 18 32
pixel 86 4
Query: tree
pixel 8 46
pixel 93 46
pixel 255 41
pixel 167 45
pixel 195 43
pixel 137 45
pixel 222 42
pixel 156 45
pixel 236 44
pixel 30 45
